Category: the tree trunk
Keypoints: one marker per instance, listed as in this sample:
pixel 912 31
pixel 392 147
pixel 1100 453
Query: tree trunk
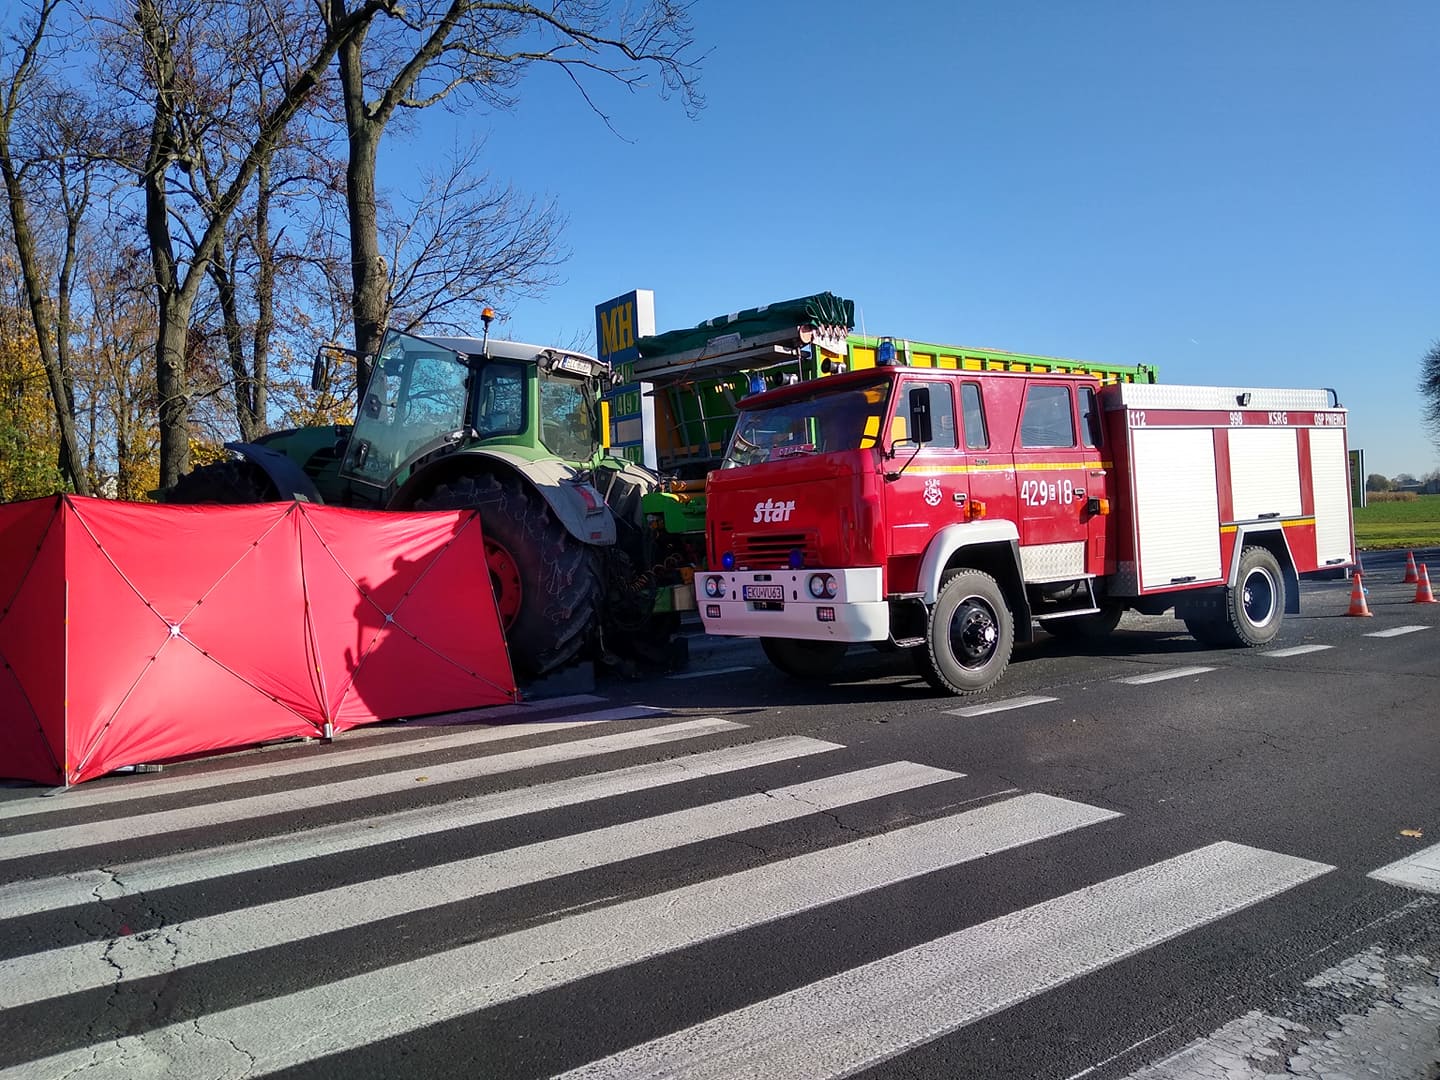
pixel 367 267
pixel 264 305
pixel 45 328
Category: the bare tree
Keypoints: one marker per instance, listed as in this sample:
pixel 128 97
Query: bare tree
pixel 68 173
pixel 476 51
pixel 1430 390
pixel 465 241
pixel 200 103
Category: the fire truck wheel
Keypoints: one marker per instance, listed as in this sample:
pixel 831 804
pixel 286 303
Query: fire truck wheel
pixel 1086 628
pixel 970 634
pixel 804 659
pixel 1256 606
pixel 546 582
pixel 230 482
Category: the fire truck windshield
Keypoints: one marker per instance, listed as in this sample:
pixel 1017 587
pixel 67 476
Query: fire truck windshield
pixel 819 423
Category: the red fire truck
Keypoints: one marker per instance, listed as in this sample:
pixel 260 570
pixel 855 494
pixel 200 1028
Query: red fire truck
pixel 946 513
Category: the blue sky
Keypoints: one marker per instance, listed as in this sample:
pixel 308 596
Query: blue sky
pixel 1235 192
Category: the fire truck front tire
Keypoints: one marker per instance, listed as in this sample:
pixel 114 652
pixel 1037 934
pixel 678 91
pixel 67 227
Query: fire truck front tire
pixel 969 636
pixel 810 660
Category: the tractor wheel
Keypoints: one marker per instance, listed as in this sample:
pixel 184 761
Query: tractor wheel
pixel 230 482
pixel 547 583
pixel 970 634
pixel 810 660
pixel 1086 629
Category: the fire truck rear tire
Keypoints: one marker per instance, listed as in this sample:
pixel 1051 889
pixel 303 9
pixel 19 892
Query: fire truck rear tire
pixel 970 634
pixel 812 660
pixel 1255 608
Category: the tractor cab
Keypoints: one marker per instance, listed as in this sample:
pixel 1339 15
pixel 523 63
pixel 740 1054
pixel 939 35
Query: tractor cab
pixel 430 396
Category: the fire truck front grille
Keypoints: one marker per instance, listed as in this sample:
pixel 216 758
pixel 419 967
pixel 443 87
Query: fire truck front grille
pixel 771 551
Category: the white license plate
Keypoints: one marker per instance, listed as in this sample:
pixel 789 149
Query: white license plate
pixel 763 592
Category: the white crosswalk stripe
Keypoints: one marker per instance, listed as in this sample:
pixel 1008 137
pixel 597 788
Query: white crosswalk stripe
pixel 84 967
pixel 121 879
pixel 42 841
pixel 925 826
pixel 864 1016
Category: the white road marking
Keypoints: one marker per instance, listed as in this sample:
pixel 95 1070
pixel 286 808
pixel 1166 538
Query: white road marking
pixel 333 1018
pixel 97 964
pixel 1000 706
pixel 318 757
pixel 869 1014
pixel 488 715
pixel 712 671
pixel 1396 631
pixel 1419 871
pixel 117 830
pixel 1162 676
pixel 167 871
pixel 1296 650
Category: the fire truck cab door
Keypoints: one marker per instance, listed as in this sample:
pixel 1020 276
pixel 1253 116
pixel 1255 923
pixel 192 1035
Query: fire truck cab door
pixel 932 489
pixel 1053 475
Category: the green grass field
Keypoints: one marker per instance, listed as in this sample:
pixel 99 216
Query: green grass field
pixel 1399 524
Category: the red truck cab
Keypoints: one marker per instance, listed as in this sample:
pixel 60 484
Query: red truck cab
pixel 947 511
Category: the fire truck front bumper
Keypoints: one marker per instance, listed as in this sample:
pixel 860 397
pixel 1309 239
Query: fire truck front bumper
pixel 811 605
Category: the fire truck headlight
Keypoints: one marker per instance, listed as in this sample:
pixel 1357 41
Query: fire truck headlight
pixel 714 587
pixel 823 587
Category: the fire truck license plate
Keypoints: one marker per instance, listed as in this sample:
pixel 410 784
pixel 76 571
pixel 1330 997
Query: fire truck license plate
pixel 763 592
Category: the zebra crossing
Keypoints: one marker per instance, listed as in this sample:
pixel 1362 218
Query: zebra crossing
pixel 255 933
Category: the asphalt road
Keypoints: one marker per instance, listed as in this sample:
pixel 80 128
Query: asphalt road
pixel 1118 870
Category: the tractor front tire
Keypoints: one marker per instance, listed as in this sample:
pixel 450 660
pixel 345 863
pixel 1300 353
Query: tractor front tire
pixel 230 482
pixel 546 582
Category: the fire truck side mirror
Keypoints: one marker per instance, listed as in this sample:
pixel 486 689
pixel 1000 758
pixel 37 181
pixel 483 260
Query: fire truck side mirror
pixel 920 429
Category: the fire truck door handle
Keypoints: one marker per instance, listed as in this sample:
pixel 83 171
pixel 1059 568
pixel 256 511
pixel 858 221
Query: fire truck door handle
pixel 1079 493
pixel 960 498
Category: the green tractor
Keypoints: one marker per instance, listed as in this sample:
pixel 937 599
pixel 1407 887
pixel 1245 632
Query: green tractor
pixel 513 431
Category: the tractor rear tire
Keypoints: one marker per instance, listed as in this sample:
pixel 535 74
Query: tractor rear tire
pixel 230 482
pixel 547 583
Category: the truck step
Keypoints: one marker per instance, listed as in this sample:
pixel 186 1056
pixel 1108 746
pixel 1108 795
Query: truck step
pixel 1067 614
pixel 907 642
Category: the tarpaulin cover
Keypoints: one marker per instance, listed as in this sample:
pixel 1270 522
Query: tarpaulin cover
pixel 132 633
pixel 821 309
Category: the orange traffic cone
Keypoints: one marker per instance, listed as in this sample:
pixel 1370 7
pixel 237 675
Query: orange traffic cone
pixel 1358 606
pixel 1411 577
pixel 1423 595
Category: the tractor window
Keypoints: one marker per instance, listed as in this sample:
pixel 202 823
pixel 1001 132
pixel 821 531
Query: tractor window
pixel 976 435
pixel 1048 420
pixel 567 417
pixel 501 400
pixel 416 396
